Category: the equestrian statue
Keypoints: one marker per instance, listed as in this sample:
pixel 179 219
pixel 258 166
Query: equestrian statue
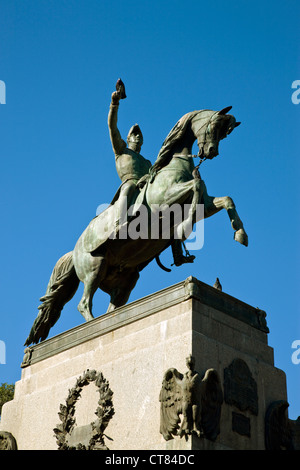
pixel 107 255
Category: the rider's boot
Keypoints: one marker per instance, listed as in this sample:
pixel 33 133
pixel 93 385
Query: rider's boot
pixel 179 257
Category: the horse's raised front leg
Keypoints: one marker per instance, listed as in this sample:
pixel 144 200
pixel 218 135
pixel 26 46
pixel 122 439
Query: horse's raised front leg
pixel 212 205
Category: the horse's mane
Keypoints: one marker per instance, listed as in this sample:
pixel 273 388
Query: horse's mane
pixel 175 134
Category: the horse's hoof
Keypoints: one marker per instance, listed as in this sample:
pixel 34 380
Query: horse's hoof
pixel 241 237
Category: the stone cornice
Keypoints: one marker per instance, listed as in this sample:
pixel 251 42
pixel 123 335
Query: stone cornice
pixel 191 288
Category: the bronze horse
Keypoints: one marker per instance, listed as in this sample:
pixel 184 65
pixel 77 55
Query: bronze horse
pixel 114 264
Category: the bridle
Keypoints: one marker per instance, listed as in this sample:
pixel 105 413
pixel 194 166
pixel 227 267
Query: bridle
pixel 203 141
pixel 206 125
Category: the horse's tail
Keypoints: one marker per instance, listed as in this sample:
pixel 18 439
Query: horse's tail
pixel 61 288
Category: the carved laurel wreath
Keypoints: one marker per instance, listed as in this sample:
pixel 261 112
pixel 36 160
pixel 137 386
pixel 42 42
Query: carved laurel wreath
pixel 104 413
pixel 7 441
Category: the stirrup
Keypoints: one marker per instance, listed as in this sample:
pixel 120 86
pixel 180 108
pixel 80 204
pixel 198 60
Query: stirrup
pixel 183 259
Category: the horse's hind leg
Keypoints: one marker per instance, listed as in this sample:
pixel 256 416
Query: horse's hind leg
pixel 92 277
pixel 120 295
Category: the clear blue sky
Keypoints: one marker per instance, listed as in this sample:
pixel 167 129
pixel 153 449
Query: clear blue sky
pixel 60 61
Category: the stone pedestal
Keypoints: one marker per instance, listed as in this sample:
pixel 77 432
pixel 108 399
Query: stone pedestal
pixel 132 348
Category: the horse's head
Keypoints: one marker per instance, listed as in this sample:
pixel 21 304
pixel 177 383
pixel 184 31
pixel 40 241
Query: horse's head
pixel 209 127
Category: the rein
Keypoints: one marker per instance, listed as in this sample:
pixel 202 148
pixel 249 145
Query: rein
pixel 191 156
pixel 196 173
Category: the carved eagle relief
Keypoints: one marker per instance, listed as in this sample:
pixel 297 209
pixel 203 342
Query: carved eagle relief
pixel 189 404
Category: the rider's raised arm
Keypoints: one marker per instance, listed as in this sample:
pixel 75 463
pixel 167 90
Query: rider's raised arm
pixel 118 144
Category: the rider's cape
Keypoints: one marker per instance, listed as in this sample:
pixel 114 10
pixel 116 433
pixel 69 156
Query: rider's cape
pixel 99 229
pixel 103 226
